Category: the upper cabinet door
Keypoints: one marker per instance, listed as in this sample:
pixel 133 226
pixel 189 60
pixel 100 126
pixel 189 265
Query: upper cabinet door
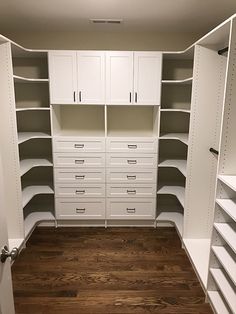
pixel 91 77
pixel 147 78
pixel 62 77
pixel 119 78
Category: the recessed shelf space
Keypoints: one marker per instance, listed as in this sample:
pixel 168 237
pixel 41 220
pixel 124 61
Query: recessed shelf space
pixel 229 180
pixel 228 206
pixel 31 68
pixel 32 96
pixel 78 120
pixel 182 82
pixel 174 122
pixel 28 164
pixel 182 137
pixel 177 69
pixel 228 233
pixel 132 121
pixel 176 96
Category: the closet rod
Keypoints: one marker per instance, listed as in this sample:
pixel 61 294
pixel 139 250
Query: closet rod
pixel 221 51
pixel 214 151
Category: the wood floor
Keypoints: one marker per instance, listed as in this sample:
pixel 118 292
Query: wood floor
pixel 114 270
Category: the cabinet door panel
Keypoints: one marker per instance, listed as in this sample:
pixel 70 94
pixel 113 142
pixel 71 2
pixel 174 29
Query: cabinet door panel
pixel 91 77
pixel 119 78
pixel 147 78
pixel 62 76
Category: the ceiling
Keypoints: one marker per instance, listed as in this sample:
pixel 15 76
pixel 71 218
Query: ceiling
pixel 138 15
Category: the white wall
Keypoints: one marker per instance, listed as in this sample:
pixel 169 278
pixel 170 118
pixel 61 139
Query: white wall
pixel 104 40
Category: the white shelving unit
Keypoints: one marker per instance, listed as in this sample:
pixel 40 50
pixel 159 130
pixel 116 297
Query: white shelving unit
pixel 34 219
pixel 229 180
pixel 27 164
pixel 30 191
pixel 176 110
pixel 173 217
pixel 26 136
pixel 181 165
pixel 177 191
pixel 32 109
pixel 228 233
pixel 229 206
pixel 182 137
pixel 21 79
pixel 184 81
pixel 218 303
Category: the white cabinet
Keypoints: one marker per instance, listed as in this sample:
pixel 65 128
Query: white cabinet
pixel 91 77
pixel 133 78
pixel 62 77
pixel 119 77
pixel 147 78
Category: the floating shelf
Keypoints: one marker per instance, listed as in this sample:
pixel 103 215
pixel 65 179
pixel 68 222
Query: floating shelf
pixel 230 181
pixel 225 287
pixel 217 302
pixel 178 191
pixel 176 110
pixel 21 79
pixel 30 191
pixel 33 109
pixel 33 219
pixel 25 136
pixel 228 233
pixel 194 247
pixel 229 206
pixel 181 165
pixel 182 137
pixel 226 261
pixel 174 217
pixel 185 81
pixel 27 164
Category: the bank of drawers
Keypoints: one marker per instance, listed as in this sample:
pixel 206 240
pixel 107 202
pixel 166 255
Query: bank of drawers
pixel 118 175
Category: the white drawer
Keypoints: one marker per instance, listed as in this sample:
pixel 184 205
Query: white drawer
pixel 132 145
pixel 80 208
pixel 131 208
pixel 73 175
pixel 82 160
pixel 128 190
pixel 120 175
pixel 78 144
pixel 80 190
pixel 131 160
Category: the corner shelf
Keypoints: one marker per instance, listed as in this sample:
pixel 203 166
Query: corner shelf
pixel 173 217
pixel 33 109
pixel 182 137
pixel 176 110
pixel 30 191
pixel 217 302
pixel 178 191
pixel 25 136
pixel 230 181
pixel 21 79
pixel 33 219
pixel 27 164
pixel 179 164
pixel 185 81
pixel 228 233
pixel 228 206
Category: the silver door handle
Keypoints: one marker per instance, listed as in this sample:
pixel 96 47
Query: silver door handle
pixel 79 161
pixel 131 177
pixel 132 146
pixel 5 253
pixel 131 210
pixel 77 177
pixel 131 191
pixel 78 145
pixel 80 191
pixel 132 161
pixel 80 210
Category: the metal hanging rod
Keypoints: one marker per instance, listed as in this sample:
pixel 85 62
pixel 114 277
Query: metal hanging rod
pixel 221 51
pixel 214 151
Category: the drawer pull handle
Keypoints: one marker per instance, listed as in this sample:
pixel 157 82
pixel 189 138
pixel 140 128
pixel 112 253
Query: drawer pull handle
pixel 132 146
pixel 79 145
pixel 132 161
pixel 80 210
pixel 79 177
pixel 131 210
pixel 131 177
pixel 80 191
pixel 79 161
pixel 131 191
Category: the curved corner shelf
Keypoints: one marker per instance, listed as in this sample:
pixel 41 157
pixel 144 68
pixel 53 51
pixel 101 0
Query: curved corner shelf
pixel 33 109
pixel 182 137
pixel 179 164
pixel 22 79
pixel 178 191
pixel 27 164
pixel 228 206
pixel 230 181
pixel 176 110
pixel 184 81
pixel 30 191
pixel 25 136
pixel 33 219
pixel 173 217
pixel 228 233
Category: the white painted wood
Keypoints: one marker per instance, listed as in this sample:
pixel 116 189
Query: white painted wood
pixel 32 109
pixel 181 165
pixel 182 137
pixel 228 233
pixel 30 191
pixel 178 191
pixel 70 144
pixel 131 160
pixel 62 77
pixel 121 175
pixel 131 145
pixel 6 292
pixel 26 136
pixel 226 260
pixel 131 190
pixel 79 160
pixel 73 175
pixel 80 190
pixel 176 110
pixel 27 164
pixel 229 206
pixel 173 217
pixel 185 81
pixel 119 78
pixel 227 290
pixel 91 77
pixel 21 79
pixel 33 219
pixel 147 78
pixel 194 247
pixel 230 181
pixel 217 302
pixel 74 208
pixel 130 208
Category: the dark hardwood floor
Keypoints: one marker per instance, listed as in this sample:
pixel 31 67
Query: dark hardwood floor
pixel 114 270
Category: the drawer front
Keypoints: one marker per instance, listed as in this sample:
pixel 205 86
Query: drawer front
pixel 131 145
pixel 79 160
pixel 120 175
pixel 132 160
pixel 80 190
pixel 88 175
pixel 77 144
pixel 128 190
pixel 80 208
pixel 131 208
